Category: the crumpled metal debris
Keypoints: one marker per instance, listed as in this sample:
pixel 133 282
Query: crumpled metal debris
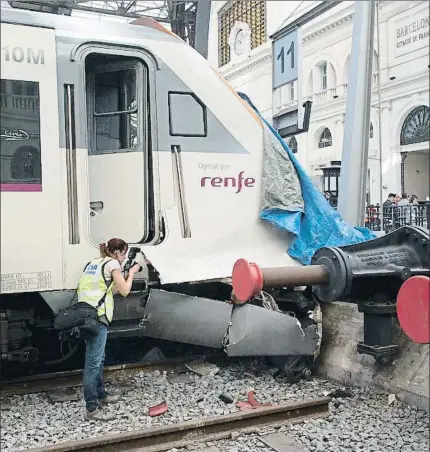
pixel 202 368
pixel 336 393
pixel 62 395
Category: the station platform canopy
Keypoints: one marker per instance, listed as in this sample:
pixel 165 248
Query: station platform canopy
pixel 177 15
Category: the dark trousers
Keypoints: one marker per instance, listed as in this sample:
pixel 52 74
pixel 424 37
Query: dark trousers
pixel 94 388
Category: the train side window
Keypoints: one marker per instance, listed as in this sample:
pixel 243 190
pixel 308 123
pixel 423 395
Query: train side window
pixel 187 115
pixel 20 135
pixel 115 100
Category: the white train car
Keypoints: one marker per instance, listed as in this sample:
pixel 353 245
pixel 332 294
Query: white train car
pixel 117 130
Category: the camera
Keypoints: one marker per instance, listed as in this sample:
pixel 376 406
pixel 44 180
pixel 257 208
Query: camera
pixel 131 259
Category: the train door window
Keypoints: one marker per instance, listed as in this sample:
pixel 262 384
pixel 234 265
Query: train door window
pixel 116 102
pixel 20 136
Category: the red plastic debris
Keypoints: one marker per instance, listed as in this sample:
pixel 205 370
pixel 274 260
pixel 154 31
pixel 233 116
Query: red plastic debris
pixel 159 409
pixel 244 406
pixel 253 402
pixel 247 280
pixel 413 308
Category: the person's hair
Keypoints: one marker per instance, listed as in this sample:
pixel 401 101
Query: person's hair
pixel 413 197
pixel 392 195
pixel 404 195
pixel 109 248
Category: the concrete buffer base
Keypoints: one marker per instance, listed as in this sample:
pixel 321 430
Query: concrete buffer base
pixel 407 376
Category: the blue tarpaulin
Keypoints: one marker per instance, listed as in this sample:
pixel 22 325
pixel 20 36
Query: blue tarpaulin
pixel 319 225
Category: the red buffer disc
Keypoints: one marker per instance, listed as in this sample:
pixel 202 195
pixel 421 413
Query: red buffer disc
pixel 247 279
pixel 413 308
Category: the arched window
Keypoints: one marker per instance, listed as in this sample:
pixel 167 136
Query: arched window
pixel 371 131
pixel 415 128
pixel 25 164
pixel 325 139
pixel 292 144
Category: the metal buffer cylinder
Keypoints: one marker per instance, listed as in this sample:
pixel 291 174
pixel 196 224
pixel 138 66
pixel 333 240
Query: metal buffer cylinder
pixel 374 274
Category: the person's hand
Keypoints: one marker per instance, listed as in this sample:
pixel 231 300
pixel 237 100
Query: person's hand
pixel 135 268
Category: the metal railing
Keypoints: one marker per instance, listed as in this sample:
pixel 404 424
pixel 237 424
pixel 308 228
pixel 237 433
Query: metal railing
pixel 15 103
pixel 282 95
pixel 338 91
pixel 394 217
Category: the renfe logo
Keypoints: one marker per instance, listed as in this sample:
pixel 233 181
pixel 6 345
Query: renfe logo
pixel 236 182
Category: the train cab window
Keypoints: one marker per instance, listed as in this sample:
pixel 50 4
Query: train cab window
pixel 20 134
pixel 194 123
pixel 115 94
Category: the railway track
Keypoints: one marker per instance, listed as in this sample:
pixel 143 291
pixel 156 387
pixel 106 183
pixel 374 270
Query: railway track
pixel 214 428
pixel 58 380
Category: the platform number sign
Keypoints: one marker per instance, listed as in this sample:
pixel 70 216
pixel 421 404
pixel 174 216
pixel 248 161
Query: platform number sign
pixel 285 59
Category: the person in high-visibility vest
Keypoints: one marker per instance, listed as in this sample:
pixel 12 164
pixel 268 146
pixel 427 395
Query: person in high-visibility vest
pixel 100 277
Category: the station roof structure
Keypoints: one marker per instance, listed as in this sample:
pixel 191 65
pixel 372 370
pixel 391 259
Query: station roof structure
pixel 177 15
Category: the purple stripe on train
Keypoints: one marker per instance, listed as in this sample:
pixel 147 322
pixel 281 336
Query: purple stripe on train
pixel 21 187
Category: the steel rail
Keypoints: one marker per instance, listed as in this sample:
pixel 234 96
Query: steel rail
pixel 163 438
pixel 73 378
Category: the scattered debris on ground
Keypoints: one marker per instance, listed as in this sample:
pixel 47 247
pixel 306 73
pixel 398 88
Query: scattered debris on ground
pixel 362 421
pixel 202 368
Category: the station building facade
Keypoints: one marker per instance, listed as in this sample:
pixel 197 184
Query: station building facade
pixel 241 48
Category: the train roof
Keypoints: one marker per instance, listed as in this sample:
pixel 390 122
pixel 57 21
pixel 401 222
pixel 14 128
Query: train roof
pixel 147 29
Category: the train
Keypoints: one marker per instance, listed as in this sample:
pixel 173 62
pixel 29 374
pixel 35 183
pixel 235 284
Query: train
pixel 124 130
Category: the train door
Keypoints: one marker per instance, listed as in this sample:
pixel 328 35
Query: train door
pixel 117 109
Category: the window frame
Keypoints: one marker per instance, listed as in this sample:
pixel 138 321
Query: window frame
pixel 204 112
pixel 324 73
pixel 292 91
pixel 297 145
pixel 321 144
pixel 141 110
pixel 405 139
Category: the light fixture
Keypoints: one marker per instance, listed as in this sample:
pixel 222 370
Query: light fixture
pixel 331 176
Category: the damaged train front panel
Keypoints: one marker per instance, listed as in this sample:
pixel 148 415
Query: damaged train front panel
pixel 245 330
pixel 257 331
pixel 182 318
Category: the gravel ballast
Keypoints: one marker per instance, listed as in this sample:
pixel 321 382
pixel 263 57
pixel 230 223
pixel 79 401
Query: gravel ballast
pixel 363 422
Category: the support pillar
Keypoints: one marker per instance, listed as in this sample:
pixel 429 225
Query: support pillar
pixel 202 27
pixel 352 192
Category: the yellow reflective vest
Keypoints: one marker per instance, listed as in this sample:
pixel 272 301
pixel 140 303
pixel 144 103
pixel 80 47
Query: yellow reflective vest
pixel 93 288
